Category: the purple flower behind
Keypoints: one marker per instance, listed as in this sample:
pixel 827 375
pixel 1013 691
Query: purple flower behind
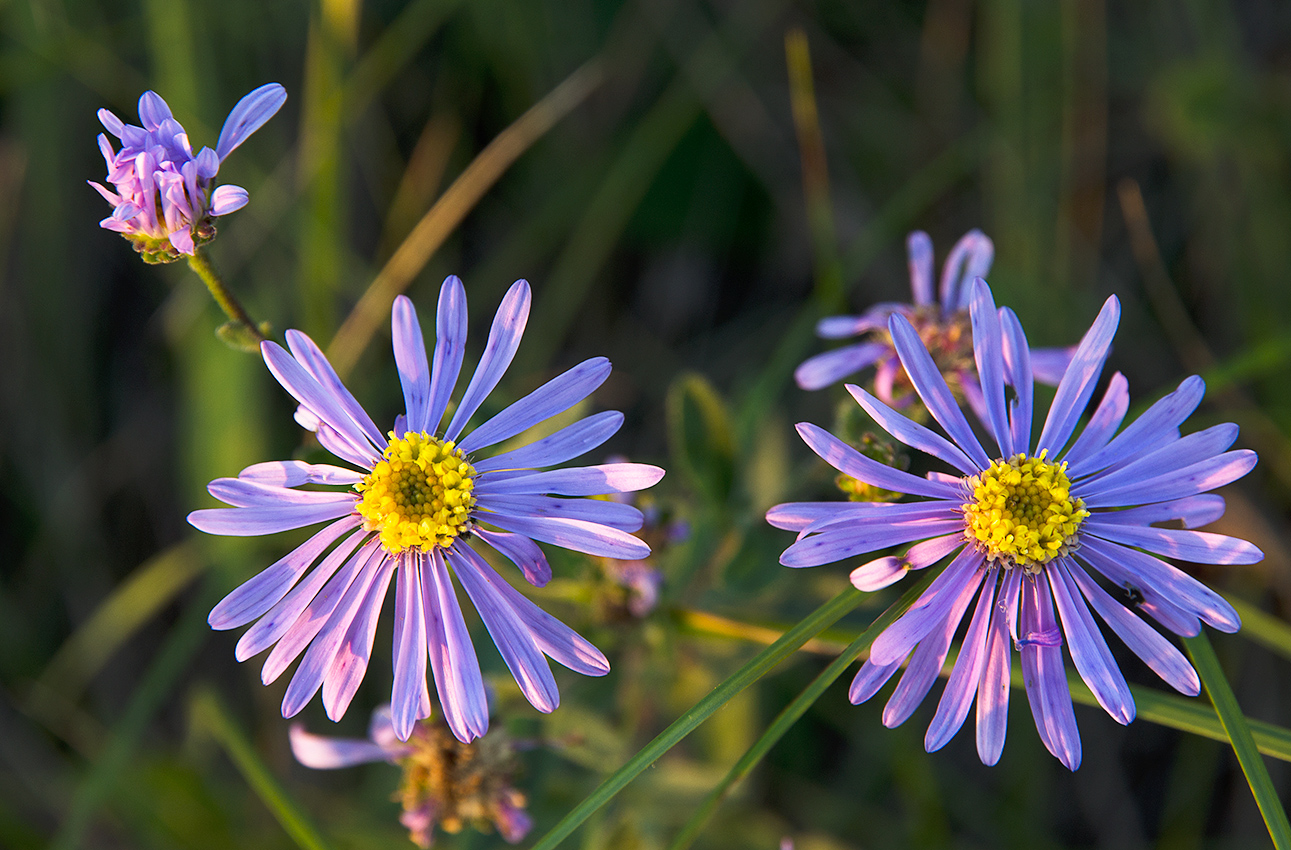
pixel 1029 528
pixel 164 196
pixel 941 322
pixel 423 498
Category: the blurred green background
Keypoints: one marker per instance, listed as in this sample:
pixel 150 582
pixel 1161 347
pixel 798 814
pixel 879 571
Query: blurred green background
pixel 669 220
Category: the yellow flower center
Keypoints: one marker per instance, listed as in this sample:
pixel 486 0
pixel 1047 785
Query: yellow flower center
pixel 1022 513
pixel 419 494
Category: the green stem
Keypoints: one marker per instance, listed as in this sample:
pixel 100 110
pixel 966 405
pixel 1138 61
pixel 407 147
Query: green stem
pixel 232 308
pixel 816 622
pixel 1239 734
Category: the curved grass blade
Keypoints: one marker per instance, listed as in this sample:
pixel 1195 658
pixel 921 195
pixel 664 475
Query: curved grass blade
pixel 1263 628
pixel 815 623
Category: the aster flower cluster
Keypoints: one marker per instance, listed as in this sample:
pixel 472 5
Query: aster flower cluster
pixel 414 505
pixel 1032 530
pixel 163 194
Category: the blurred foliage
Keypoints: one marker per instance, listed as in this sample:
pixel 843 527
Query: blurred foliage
pixel 662 219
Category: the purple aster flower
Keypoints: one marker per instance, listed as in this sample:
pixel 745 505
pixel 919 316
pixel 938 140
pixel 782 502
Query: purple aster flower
pixel 445 781
pixel 941 322
pixel 164 198
pixel 423 498
pixel 1033 532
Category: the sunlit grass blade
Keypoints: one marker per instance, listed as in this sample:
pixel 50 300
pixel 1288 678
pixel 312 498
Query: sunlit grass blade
pixel 791 714
pixel 458 200
pixel 1239 733
pixel 1263 628
pixel 209 716
pixel 758 666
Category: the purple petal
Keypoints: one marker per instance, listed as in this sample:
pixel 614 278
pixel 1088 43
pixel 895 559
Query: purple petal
pixel 932 388
pixel 1157 652
pixel 919 250
pixel 452 657
pixel 1017 363
pixel 929 609
pixel 450 347
pixel 293 473
pixel 351 661
pixel 244 493
pixel 1046 678
pixel 410 358
pixel 1088 650
pixel 1171 582
pixel 250 522
pixel 1189 481
pixel 111 123
pixel 309 392
pixel 842 327
pixel 879 513
pixel 581 536
pixel 576 481
pixel 1202 547
pixel 1176 454
pixel 821 370
pixel 556 396
pixel 260 593
pixel 111 197
pixel 971 257
pixel 837 543
pixel 957 698
pixel 1146 597
pixel 208 163
pixel 504 339
pixel 878 574
pixel 988 351
pixel 912 433
pixel 182 241
pixel 228 198
pixel 1102 425
pixel 330 753
pixel 522 552
pixel 1193 511
pixel 567 443
pixel 869 679
pixel 929 552
pixel 1048 365
pixel 249 115
pixel 312 359
pixel 409 648
pixel 509 633
pixel 152 110
pixel 849 461
pixel 1158 425
pixel 795 516
pixel 614 514
pixel 1078 382
pixel 993 687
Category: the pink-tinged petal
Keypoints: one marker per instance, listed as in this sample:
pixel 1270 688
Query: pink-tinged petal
pixel 988 352
pixel 885 375
pixel 993 687
pixel 352 607
pixel 912 433
pixel 228 198
pixel 504 338
pixel 293 473
pixel 869 679
pixel 556 396
pixel 567 443
pixel 1101 426
pixel 878 574
pixel 1045 677
pixel 248 115
pixel 182 241
pixel 918 247
pixel 254 521
pixel 821 370
pixel 849 461
pixel 410 358
pixel 452 657
pixel 1202 547
pixel 208 163
pixel 1174 455
pixel 1048 365
pixel 243 493
pixel 1190 481
pixel 898 639
pixel 1157 426
pixel 111 123
pixel 153 110
pixel 844 541
pixel 1156 603
pixel 111 197
pixel 1088 650
pixel 576 481
pixel 1192 511
pixel 314 606
pixel 795 516
pixel 1017 367
pixel 957 698
pixel 256 596
pixel 880 513
pixel 323 402
pixel 323 753
pixel 522 552
pixel 581 536
pixel 450 347
pixel 928 380
pixel 1144 641
pixel 842 327
pixel 523 658
pixel 409 648
pixel 1078 382
pixel 352 656
pixel 614 514
pixel 312 359
pixel 971 257
pixel 557 640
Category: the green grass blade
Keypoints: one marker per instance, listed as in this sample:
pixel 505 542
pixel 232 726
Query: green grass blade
pixel 210 716
pixel 1263 628
pixel 816 622
pixel 1239 733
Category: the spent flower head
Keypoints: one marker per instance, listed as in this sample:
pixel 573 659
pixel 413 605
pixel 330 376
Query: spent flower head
pixel 163 194
pixel 446 783
pixel 941 321
pixel 1034 530
pixel 415 505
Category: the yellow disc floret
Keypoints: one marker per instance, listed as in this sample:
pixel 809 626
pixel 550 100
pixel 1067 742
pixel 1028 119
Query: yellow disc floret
pixel 419 494
pixel 1022 513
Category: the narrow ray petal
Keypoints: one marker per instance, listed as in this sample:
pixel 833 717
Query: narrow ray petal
pixel 504 339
